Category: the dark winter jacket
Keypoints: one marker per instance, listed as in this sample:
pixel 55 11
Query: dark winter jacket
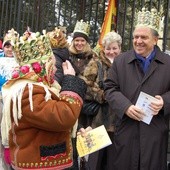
pixel 61 55
pixel 137 144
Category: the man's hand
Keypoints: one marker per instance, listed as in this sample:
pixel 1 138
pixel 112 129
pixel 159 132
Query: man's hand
pixel 135 113
pixel 157 105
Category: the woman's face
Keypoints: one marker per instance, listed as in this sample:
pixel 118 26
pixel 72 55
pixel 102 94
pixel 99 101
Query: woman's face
pixel 112 50
pixel 8 50
pixel 79 43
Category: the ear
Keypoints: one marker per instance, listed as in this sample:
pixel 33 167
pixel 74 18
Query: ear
pixel 155 40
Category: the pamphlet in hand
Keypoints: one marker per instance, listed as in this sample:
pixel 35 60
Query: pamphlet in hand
pixel 143 101
pixel 95 139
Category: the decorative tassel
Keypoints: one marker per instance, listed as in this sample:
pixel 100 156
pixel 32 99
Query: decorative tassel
pixel 48 94
pixel 14 108
pixel 20 93
pixel 30 88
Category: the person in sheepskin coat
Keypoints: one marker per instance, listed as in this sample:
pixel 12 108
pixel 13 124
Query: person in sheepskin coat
pixel 38 113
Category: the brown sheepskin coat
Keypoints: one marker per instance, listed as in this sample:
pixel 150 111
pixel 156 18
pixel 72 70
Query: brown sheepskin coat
pixel 42 137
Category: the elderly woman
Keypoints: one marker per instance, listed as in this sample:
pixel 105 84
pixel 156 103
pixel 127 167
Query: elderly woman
pixel 94 75
pixel 111 45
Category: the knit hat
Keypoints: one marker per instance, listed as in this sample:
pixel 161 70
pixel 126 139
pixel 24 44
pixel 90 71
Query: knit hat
pixel 82 29
pixel 6 43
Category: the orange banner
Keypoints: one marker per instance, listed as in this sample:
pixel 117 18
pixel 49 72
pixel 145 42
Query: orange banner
pixel 109 19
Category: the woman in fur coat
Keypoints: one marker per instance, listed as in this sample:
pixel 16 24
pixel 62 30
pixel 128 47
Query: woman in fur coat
pixel 94 74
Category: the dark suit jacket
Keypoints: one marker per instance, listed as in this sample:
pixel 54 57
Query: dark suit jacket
pixel 136 143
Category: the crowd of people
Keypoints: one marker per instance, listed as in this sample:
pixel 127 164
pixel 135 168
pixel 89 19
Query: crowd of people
pixel 47 86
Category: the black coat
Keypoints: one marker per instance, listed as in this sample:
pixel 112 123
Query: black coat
pixel 61 55
pixel 78 61
pixel 136 144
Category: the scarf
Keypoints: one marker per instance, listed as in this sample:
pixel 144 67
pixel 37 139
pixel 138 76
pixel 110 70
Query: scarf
pixel 145 62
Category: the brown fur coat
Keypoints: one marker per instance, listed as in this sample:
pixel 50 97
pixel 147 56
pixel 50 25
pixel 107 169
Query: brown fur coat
pixel 94 92
pixel 91 77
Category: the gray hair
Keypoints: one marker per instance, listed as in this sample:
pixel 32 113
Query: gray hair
pixel 111 37
pixel 154 33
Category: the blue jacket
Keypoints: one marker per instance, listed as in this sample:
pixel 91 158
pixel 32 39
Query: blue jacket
pixel 2 78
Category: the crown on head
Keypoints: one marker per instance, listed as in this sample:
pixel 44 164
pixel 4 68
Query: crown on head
pixel 32 47
pixel 11 36
pixel 82 27
pixel 151 19
pixel 57 38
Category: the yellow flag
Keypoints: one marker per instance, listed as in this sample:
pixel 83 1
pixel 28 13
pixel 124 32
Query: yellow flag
pixel 108 20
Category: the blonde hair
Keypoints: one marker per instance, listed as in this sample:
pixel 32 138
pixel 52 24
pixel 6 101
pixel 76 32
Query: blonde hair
pixel 111 37
pixel 87 48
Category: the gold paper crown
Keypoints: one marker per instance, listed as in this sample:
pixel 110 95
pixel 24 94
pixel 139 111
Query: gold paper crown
pixel 32 47
pixel 150 19
pixel 57 38
pixel 82 27
pixel 11 36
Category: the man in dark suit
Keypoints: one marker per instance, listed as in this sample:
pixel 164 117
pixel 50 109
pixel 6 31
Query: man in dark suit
pixel 137 145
